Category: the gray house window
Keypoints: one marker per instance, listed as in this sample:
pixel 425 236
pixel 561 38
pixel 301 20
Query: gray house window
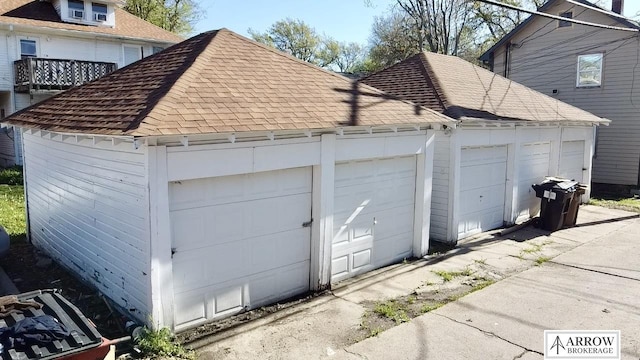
pixel 589 70
pixel 28 48
pixel 99 12
pixel 568 15
pixel 76 9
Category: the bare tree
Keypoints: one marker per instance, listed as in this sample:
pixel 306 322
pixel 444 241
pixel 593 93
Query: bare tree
pixel 438 24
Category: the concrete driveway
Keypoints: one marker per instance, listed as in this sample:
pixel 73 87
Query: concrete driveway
pixel 588 278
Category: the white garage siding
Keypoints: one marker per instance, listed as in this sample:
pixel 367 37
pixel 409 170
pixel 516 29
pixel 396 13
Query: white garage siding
pixel 373 214
pixel 7 147
pixel 440 186
pixel 239 242
pixel 88 209
pixel 482 189
pixel 533 166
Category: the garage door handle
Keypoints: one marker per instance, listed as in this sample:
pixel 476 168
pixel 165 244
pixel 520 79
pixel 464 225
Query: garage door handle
pixel 307 223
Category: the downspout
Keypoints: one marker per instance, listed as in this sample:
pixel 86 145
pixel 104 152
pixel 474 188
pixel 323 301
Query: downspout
pixel 26 192
pixel 507 59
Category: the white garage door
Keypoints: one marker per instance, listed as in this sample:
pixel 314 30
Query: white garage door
pixel 533 166
pixel 572 160
pixel 373 215
pixel 483 173
pixel 239 242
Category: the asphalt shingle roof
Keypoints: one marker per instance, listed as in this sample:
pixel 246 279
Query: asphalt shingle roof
pixel 464 91
pixel 219 82
pixel 35 13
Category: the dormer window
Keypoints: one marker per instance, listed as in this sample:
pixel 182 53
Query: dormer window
pixel 99 12
pixel 76 9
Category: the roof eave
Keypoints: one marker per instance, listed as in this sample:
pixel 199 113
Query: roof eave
pixel 10 26
pixel 468 119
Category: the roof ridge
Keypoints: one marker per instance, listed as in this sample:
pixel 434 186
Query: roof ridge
pixel 428 74
pixel 316 67
pixel 514 84
pixel 182 76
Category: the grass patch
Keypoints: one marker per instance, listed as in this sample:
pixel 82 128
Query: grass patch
pixel 450 275
pixel 392 309
pixel 628 204
pixel 156 344
pixel 11 176
pixel 12 213
pixel 541 260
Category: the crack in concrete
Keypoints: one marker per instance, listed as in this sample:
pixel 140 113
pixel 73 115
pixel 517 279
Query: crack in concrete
pixel 491 334
pixel 521 355
pixel 593 270
pixel 356 354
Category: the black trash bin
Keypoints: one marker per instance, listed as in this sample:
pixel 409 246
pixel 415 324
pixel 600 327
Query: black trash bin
pixel 572 215
pixel 556 197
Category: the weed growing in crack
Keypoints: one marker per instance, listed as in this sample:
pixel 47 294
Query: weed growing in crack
pixel 450 275
pixel 541 260
pixel 480 261
pixel 430 307
pixel 482 284
pixel 393 310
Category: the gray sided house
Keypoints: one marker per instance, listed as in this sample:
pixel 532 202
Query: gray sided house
pixel 592 68
pixel 221 175
pixel 508 137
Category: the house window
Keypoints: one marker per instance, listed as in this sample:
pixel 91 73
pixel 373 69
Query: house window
pixel 568 15
pixel 99 12
pixel 589 70
pixel 157 49
pixel 132 54
pixel 28 48
pixel 76 9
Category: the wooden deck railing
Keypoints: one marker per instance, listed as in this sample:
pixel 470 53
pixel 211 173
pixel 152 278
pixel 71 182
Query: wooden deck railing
pixel 38 74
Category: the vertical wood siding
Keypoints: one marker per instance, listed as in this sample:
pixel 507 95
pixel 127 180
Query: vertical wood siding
pixel 440 192
pixel 7 153
pixel 545 58
pixel 88 208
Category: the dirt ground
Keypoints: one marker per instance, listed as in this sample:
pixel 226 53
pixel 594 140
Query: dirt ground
pixel 29 270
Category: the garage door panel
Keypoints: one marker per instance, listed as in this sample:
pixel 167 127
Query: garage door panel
pixel 192 305
pixel 572 160
pixel 241 250
pixel 483 175
pixel 397 220
pixel 482 189
pixel 239 188
pixel 373 214
pixel 533 166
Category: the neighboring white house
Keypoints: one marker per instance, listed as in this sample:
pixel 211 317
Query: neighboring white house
pixel 48 46
pixel 221 175
pixel 508 138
